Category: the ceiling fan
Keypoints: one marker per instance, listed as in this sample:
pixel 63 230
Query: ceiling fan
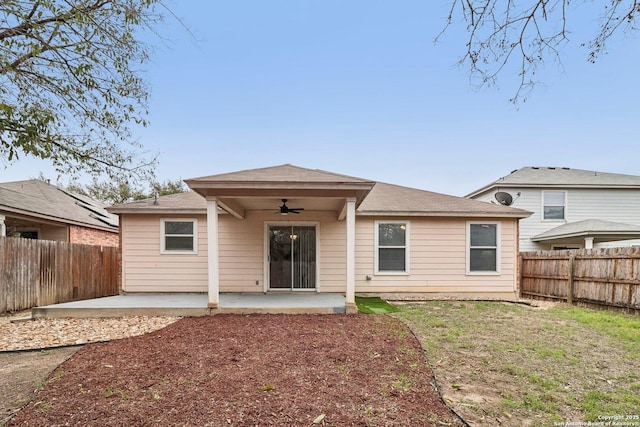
pixel 285 210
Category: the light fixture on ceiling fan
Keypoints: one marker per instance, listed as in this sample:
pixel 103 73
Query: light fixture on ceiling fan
pixel 285 210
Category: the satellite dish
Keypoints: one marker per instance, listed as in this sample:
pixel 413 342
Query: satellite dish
pixel 504 198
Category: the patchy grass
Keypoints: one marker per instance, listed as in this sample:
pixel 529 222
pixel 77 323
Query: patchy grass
pixel 514 365
pixel 624 329
pixel 374 305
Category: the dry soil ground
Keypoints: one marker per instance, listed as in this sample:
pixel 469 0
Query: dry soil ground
pixel 23 373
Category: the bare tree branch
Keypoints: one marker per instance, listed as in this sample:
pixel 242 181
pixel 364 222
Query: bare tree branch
pixel 505 36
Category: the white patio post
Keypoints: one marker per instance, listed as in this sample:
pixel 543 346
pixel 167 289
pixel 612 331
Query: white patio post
pixel 351 255
pixel 3 228
pixel 588 242
pixel 212 247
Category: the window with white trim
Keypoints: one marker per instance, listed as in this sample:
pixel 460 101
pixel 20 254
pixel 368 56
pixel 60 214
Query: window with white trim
pixel 553 205
pixel 179 236
pixel 392 247
pixel 483 242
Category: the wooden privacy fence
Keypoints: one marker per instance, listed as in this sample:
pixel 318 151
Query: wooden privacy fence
pixel 605 277
pixel 40 272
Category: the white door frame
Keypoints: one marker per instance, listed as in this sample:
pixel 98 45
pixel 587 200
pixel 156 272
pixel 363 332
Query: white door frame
pixel 266 287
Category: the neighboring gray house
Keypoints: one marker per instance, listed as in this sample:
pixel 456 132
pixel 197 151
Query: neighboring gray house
pixel 35 209
pixel 572 208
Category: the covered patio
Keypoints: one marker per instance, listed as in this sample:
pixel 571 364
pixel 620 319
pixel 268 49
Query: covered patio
pixel 195 304
pixel 244 195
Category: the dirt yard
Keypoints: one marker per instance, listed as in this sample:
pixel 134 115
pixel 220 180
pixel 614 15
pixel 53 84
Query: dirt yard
pixel 248 370
pixel 23 373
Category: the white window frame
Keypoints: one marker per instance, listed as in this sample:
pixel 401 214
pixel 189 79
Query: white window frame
pixel 406 248
pixel 564 218
pixel 497 248
pixel 163 250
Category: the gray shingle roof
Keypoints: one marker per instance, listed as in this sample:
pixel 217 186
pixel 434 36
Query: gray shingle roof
pixel 535 176
pixel 591 228
pixel 397 200
pixel 38 199
pixel 282 173
pixel 382 199
pixel 189 203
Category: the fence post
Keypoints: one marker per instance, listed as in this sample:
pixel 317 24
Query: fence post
pixel 572 259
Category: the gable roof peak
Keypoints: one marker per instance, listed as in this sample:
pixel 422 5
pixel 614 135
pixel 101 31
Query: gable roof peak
pixel 281 173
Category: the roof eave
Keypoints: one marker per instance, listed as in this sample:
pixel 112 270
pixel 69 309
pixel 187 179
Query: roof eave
pixel 622 235
pixel 359 190
pixel 147 211
pixel 58 220
pixel 540 185
pixel 322 185
pixel 446 214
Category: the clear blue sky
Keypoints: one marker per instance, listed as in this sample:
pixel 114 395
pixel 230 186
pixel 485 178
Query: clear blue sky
pixel 360 88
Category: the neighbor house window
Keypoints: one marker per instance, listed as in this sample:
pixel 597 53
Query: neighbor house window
pixel 483 247
pixel 392 247
pixel 178 235
pixel 554 203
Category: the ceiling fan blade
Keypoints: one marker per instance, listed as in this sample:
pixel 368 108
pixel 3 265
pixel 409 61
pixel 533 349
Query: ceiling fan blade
pixel 284 209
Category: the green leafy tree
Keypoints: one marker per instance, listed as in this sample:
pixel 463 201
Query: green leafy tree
pixel 70 84
pixel 504 35
pixel 122 191
pixel 167 187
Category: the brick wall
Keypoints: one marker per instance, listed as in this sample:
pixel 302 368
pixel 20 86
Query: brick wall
pixel 91 236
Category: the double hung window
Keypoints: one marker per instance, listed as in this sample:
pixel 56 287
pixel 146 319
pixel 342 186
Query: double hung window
pixel 483 248
pixel 392 247
pixel 178 236
pixel 554 203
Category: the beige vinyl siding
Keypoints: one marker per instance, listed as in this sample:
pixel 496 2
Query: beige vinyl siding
pixel 437 249
pixel 333 254
pixel 241 244
pixel 243 250
pixel 242 254
pixel 145 269
pixel 438 254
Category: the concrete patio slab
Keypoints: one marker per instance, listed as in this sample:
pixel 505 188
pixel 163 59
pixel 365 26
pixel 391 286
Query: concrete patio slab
pixel 194 304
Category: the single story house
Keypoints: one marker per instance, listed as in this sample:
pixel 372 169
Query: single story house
pixel 287 228
pixel 35 209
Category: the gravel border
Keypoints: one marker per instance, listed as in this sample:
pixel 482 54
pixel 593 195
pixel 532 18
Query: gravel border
pixel 53 333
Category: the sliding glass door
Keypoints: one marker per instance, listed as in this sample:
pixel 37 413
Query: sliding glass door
pixel 292 257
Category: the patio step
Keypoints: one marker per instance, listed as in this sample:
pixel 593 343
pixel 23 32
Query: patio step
pixel 191 305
